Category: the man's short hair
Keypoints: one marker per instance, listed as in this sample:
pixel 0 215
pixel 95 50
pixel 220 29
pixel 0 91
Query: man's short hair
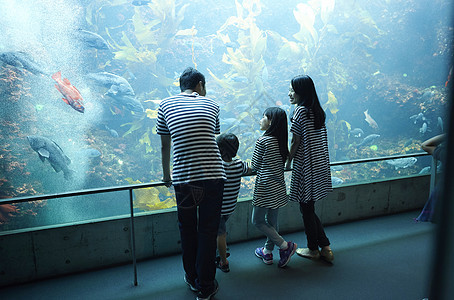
pixel 190 78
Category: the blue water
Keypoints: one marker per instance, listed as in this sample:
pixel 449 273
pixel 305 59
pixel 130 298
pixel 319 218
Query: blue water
pixel 391 58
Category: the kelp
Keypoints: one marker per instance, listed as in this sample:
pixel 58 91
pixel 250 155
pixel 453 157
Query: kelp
pixel 145 140
pixel 332 103
pixel 246 60
pixel 152 198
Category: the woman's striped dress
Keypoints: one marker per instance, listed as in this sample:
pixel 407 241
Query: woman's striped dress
pixel 311 176
pixel 269 189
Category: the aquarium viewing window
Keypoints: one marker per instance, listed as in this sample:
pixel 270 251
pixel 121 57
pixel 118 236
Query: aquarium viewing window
pixel 81 82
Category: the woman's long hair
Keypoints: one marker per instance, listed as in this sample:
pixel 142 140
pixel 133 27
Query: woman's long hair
pixel 278 128
pixel 305 88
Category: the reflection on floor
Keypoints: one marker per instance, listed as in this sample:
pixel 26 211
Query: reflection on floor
pixel 382 258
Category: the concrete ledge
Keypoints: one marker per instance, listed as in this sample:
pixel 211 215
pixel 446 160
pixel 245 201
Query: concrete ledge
pixel 29 255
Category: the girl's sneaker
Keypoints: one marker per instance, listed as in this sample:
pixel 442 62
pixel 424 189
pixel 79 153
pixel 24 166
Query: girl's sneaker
pixel 266 258
pixel 286 254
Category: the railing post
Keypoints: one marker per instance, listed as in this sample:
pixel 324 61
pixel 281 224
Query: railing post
pixel 133 238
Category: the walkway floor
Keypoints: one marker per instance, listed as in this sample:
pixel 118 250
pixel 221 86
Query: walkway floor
pixel 381 258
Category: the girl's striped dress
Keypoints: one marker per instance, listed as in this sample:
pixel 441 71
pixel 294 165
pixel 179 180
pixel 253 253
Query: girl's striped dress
pixel 311 176
pixel 269 190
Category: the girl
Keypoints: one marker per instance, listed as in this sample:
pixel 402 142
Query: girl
pixel 270 194
pixel 311 178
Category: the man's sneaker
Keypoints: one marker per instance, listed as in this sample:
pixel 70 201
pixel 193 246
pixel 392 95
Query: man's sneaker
pixel 208 295
pixel 224 268
pixel 308 253
pixel 190 283
pixel 266 258
pixel 286 254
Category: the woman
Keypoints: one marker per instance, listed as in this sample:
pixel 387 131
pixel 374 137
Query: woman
pixel 311 178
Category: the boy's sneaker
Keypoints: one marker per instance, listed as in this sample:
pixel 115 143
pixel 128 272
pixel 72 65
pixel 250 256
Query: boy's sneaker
pixel 266 258
pixel 224 268
pixel 208 295
pixel 190 283
pixel 286 254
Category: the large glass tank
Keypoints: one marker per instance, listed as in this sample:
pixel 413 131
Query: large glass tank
pixel 81 81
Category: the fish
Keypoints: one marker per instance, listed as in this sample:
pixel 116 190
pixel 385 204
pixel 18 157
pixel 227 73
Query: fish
pixel 427 96
pixel 112 132
pixel 6 211
pixel 418 117
pixel 131 75
pixel 425 170
pixel 370 121
pixel 119 89
pixel 128 101
pixel 71 95
pixel 402 163
pixel 140 2
pixel 423 128
pixel 440 123
pixel 107 80
pixel 369 139
pixel 23 60
pixel 91 152
pixel 48 149
pixel 357 132
pixel 91 39
pixel 337 168
pixel 336 181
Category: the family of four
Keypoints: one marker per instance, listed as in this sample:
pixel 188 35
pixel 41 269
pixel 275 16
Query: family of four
pixel 206 176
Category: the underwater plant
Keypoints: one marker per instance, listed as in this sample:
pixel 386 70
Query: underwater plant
pixel 152 198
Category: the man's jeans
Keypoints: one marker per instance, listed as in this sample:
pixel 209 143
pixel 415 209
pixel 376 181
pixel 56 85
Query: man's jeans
pixel 199 210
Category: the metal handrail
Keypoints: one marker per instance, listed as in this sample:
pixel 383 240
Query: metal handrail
pixel 160 183
pixel 374 159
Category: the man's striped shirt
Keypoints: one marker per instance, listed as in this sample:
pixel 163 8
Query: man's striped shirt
pixel 192 122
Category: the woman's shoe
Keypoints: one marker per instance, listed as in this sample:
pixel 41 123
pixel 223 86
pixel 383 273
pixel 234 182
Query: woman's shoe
pixel 308 253
pixel 327 255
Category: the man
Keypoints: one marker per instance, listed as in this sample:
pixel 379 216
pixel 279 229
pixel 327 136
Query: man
pixel 191 121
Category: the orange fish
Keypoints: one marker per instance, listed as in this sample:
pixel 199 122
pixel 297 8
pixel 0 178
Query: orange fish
pixel 71 95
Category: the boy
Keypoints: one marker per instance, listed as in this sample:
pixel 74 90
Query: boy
pixel 234 168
